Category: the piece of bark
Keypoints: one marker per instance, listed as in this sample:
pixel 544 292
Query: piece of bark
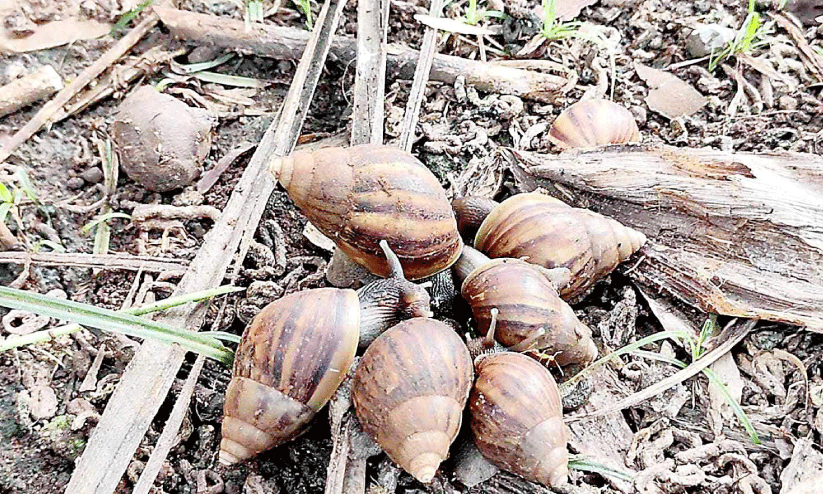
pixel 284 42
pixel 30 88
pixel 147 379
pixel 739 234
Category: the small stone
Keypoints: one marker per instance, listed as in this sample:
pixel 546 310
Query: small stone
pixel 706 39
pixel 786 102
pixel 75 183
pixel 93 175
pixel 640 115
pixel 204 53
pixel 43 404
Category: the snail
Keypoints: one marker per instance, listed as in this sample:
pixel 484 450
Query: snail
pixel 297 350
pixel 546 231
pixel 359 195
pixel 522 300
pixel 516 418
pixel 409 392
pixel 593 123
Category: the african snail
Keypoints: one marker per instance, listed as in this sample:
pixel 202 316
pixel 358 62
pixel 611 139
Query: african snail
pixel 545 231
pixel 521 300
pixel 297 350
pixel 360 195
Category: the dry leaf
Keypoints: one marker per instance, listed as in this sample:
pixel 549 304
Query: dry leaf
pixel 669 95
pixel 53 34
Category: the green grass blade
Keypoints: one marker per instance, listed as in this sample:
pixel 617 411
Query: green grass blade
pixel 170 302
pixel 102 218
pixel 5 193
pixel 26 185
pixel 108 320
pixel 191 68
pixel 128 16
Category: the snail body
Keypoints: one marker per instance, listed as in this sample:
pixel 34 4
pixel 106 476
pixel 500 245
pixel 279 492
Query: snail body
pixel 295 353
pixel 360 195
pixel 409 392
pixel 526 302
pixel 593 123
pixel 516 418
pixel 548 232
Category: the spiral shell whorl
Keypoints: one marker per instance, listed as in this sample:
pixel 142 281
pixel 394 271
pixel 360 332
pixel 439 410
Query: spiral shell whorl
pixel 593 123
pixel 516 418
pixel 543 230
pixel 409 392
pixel 291 359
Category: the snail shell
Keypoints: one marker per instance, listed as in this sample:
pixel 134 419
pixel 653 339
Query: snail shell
pixel 291 359
pixel 546 231
pixel 527 302
pixel 360 195
pixel 592 123
pixel 409 392
pixel 517 418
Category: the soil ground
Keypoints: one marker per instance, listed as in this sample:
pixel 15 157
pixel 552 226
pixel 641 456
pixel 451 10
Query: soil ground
pixel 46 418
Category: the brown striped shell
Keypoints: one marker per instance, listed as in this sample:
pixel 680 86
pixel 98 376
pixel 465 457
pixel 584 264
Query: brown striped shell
pixel 592 123
pixel 546 231
pixel 527 302
pixel 360 195
pixel 291 359
pixel 517 418
pixel 409 392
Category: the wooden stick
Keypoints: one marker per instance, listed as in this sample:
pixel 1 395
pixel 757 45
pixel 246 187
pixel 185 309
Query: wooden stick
pixel 96 261
pixel 421 77
pixel 739 234
pixel 30 88
pixel 150 373
pixel 370 78
pixel 284 42
pixel 44 116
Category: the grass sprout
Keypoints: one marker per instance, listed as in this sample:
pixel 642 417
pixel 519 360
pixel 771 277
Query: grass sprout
pixel 474 15
pixel 554 29
pixel 126 18
pixel 751 35
pixel 305 7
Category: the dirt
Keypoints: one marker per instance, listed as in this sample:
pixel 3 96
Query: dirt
pixel 457 133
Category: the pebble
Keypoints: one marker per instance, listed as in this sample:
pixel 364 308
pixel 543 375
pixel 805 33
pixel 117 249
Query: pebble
pixel 708 38
pixel 75 183
pixel 92 175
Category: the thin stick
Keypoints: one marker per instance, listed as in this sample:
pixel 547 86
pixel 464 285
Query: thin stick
pixel 151 372
pixel 370 78
pixel 45 114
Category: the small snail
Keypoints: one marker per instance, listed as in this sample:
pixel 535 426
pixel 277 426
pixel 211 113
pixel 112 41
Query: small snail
pixel 517 419
pixel 359 195
pixel 593 123
pixel 295 353
pixel 548 232
pixel 523 301
pixel 409 392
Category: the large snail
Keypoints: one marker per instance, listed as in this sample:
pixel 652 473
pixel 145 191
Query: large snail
pixel 523 300
pixel 517 418
pixel 409 392
pixel 360 195
pixel 593 123
pixel 546 231
pixel 295 353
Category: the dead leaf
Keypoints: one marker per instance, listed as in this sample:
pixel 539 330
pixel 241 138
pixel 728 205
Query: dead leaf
pixel 669 95
pixel 53 34
pixel 802 474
